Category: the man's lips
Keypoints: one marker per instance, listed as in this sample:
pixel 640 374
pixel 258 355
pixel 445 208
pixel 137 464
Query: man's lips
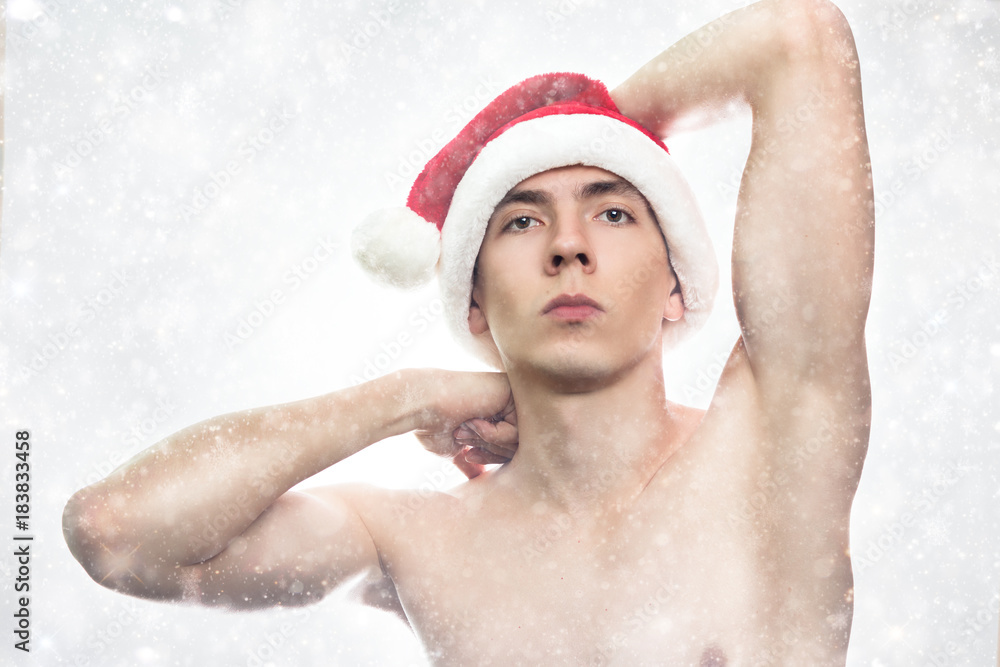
pixel 572 307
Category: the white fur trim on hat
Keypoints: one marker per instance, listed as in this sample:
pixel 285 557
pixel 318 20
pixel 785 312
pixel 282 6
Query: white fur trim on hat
pixel 397 247
pixel 533 146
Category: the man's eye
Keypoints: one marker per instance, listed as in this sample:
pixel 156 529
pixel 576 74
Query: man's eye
pixel 615 216
pixel 524 222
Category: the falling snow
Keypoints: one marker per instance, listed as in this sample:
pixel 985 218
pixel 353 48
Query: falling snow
pixel 117 114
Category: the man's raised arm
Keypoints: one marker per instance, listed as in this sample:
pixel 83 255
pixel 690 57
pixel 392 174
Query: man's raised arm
pixel 805 219
pixel 206 516
pixel 804 237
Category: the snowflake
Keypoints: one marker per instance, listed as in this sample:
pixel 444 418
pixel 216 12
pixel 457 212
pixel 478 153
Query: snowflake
pixel 985 106
pixel 936 531
pixel 939 412
pixel 188 101
pixel 148 621
pixel 970 427
pixel 990 61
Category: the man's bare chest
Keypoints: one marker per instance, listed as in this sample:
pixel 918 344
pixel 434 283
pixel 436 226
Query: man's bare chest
pixel 641 585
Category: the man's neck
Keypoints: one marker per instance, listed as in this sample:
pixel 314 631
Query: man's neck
pixel 599 447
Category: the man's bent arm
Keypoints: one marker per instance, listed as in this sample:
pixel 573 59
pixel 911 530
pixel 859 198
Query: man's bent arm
pixel 805 221
pixel 804 236
pixel 204 515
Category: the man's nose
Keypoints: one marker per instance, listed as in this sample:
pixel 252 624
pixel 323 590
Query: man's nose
pixel 570 244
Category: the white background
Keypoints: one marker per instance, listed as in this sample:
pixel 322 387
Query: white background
pixel 119 113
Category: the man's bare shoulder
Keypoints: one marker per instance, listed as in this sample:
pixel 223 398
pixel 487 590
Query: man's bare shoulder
pixel 394 516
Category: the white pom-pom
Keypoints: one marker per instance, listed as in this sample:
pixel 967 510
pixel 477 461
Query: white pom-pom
pixel 397 247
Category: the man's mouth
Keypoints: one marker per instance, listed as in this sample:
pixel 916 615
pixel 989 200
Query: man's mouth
pixel 572 307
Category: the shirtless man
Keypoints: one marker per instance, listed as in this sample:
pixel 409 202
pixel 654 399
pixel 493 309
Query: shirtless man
pixel 622 528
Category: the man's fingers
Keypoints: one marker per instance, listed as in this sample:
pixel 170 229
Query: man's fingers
pixel 469 468
pixel 484 457
pixel 502 434
pixel 499 439
pixel 497 454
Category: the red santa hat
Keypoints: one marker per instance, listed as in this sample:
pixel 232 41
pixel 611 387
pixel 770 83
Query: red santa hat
pixel 545 122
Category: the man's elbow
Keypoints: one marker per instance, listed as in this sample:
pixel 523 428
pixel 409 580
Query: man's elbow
pixel 93 537
pixel 815 32
pixel 81 522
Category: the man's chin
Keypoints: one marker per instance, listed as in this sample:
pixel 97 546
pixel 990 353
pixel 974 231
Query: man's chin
pixel 567 371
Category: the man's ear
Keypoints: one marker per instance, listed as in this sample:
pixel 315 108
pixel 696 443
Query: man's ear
pixel 477 320
pixel 674 308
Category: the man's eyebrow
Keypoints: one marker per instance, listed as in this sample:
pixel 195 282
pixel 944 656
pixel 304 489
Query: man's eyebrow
pixel 536 197
pixel 617 187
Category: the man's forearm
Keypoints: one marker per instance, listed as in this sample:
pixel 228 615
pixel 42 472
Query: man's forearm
pixel 735 60
pixel 168 499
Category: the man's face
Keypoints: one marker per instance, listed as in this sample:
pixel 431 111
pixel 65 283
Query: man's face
pixel 572 278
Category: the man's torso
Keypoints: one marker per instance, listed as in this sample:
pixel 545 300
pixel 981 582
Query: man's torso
pixel 702 568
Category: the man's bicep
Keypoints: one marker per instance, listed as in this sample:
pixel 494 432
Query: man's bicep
pixel 804 236
pixel 302 547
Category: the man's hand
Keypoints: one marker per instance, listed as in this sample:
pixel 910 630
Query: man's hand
pixel 470 417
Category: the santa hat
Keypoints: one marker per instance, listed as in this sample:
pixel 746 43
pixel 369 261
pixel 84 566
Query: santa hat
pixel 545 122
